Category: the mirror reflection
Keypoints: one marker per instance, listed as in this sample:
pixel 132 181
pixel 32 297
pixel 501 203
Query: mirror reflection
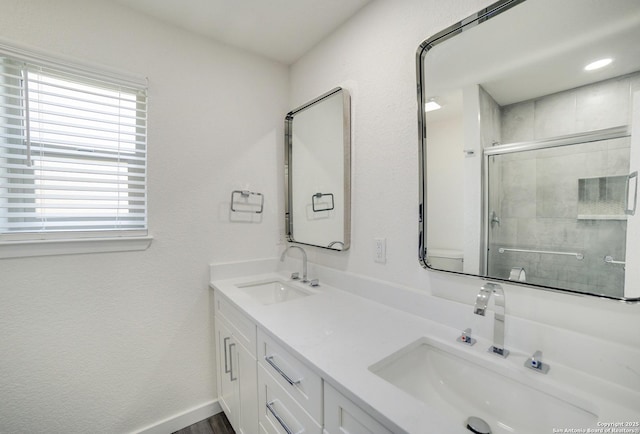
pixel 317 159
pixel 530 146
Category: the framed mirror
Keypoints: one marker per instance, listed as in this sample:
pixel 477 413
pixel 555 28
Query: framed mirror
pixel 318 172
pixel 529 122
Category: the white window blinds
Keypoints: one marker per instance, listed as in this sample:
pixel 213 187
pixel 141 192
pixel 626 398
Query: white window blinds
pixel 72 154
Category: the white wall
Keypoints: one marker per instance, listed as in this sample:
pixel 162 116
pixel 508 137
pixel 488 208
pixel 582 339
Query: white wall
pixel 445 185
pixel 116 342
pixel 373 56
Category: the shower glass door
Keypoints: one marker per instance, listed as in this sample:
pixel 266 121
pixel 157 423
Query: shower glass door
pixel 557 214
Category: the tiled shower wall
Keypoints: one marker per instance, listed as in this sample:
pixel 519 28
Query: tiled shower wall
pixel 535 193
pixel 601 105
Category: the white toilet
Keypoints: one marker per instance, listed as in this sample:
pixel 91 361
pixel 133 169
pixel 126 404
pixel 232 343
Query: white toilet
pixel 445 259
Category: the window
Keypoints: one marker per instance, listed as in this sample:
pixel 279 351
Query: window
pixel 72 153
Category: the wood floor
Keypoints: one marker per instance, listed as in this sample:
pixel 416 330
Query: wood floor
pixel 218 424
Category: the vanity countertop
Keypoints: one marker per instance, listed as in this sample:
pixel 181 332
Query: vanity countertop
pixel 340 335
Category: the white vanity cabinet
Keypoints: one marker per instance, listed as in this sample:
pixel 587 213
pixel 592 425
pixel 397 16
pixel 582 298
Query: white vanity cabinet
pixel 341 416
pixel 264 388
pixel 236 373
pixel 289 393
pixel 279 412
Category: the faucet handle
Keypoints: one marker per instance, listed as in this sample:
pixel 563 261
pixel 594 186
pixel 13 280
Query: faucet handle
pixel 295 276
pixel 466 338
pixel 535 363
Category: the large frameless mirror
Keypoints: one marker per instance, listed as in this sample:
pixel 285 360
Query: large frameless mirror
pixel 318 172
pixel 529 117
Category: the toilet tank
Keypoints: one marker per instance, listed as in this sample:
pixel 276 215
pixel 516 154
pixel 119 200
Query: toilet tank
pixel 445 259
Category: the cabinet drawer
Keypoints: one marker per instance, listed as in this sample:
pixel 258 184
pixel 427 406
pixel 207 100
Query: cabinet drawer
pixel 304 385
pixel 278 411
pixel 243 329
pixel 341 416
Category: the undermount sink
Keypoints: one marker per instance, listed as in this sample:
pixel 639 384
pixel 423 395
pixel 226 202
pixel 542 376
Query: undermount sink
pixel 457 386
pixel 273 291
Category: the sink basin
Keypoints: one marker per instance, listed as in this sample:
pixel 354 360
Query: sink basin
pixel 273 291
pixel 457 386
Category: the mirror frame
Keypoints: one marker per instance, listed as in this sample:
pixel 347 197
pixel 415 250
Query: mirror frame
pixel 467 24
pixel 288 146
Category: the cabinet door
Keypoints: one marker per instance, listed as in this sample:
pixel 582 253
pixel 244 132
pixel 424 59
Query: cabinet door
pixel 304 385
pixel 246 372
pixel 279 413
pixel 240 325
pixel 227 390
pixel 341 416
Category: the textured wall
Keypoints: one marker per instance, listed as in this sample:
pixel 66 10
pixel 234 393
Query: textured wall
pixel 115 342
pixel 373 56
pixel 604 104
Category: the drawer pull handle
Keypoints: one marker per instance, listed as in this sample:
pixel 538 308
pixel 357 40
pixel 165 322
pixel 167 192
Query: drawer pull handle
pixel 226 367
pixel 278 417
pixel 231 363
pixel 270 361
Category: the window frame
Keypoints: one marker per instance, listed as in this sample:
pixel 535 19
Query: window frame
pixel 48 242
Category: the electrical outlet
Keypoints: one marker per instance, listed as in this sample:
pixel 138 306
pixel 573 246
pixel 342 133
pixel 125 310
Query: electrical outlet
pixel 380 250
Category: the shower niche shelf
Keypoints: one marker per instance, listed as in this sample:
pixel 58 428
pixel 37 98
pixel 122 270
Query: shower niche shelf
pixel 601 217
pixel 602 198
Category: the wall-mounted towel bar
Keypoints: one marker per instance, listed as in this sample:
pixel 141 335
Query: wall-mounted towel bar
pixel 579 256
pixel 322 206
pixel 609 260
pixel 242 201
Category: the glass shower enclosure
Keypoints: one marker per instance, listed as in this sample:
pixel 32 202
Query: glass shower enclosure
pixel 557 209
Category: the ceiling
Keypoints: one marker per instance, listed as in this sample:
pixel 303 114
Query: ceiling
pixel 537 48
pixel 282 30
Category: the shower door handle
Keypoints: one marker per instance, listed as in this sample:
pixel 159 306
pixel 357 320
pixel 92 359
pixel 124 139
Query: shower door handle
pixel 628 195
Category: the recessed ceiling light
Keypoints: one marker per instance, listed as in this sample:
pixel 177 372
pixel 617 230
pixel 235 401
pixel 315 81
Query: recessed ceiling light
pixel 431 105
pixel 598 64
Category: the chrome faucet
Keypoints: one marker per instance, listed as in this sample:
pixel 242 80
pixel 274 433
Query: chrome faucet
pixel 498 325
pixel 304 262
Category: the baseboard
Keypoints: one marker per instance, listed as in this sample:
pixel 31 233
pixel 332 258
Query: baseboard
pixel 183 420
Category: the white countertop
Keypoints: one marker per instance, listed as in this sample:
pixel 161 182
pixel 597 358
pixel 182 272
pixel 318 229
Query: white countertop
pixel 339 335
